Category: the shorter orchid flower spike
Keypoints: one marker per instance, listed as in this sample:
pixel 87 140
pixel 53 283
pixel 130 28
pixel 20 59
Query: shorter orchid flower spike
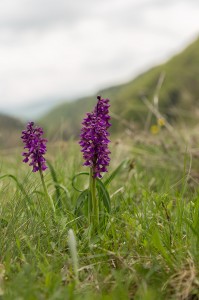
pixel 36 147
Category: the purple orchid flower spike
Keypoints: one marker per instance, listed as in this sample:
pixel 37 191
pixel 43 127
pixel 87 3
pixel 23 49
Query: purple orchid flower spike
pixel 36 147
pixel 94 138
pixel 94 143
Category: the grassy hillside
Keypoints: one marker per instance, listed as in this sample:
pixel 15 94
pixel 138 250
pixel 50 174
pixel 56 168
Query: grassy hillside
pixel 178 96
pixel 9 131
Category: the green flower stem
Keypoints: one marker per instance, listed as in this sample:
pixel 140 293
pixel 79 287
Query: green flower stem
pixel 94 201
pixel 49 199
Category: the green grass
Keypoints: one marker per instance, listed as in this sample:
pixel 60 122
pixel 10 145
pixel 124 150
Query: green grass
pixel 150 248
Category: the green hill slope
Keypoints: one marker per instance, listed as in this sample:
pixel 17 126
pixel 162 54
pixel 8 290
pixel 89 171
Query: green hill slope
pixel 178 96
pixel 10 131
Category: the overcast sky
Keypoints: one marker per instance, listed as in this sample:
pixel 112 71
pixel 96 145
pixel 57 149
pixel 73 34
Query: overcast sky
pixel 59 49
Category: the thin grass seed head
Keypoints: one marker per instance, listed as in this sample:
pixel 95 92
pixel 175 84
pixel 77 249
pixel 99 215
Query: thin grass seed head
pixel 36 147
pixel 94 138
pixel 72 243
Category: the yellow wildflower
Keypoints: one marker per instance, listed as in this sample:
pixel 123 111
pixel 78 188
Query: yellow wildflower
pixel 154 129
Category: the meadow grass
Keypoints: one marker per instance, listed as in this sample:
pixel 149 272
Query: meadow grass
pixel 149 249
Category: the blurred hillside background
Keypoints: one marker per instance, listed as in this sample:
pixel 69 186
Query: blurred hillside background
pixel 55 57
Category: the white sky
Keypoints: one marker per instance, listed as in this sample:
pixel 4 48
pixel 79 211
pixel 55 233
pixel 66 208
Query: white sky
pixel 59 49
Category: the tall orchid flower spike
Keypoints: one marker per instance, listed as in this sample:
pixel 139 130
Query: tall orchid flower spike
pixel 35 145
pixel 94 140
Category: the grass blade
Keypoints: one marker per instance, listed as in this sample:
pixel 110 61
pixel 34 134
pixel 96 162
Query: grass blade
pixel 104 195
pixel 121 166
